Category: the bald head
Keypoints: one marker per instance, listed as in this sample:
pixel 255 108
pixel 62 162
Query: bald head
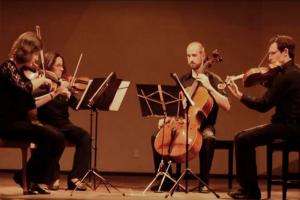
pixel 195 55
pixel 195 46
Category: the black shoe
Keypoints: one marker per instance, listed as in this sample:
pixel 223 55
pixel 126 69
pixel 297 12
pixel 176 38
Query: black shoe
pixel 34 188
pixel 38 188
pixel 54 185
pixel 242 194
pixel 80 185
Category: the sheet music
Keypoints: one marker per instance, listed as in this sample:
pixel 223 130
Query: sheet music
pixel 116 103
pixel 83 95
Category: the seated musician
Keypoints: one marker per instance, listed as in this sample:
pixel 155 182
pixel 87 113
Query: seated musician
pixel 16 102
pixel 53 110
pixel 196 58
pixel 283 93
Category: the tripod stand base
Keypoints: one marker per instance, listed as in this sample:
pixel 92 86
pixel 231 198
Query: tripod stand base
pixel 164 175
pixel 184 173
pixel 94 173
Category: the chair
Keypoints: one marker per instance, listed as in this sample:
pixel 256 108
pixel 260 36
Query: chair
pixel 24 146
pixel 227 145
pixel 288 180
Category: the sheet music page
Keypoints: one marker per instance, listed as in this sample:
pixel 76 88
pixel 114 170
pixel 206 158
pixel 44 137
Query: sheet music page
pixel 116 103
pixel 83 95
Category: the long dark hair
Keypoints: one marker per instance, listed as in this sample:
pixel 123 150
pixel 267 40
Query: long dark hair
pixel 24 46
pixel 50 58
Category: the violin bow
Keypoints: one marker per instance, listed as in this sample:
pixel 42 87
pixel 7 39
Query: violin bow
pixel 263 59
pixel 38 33
pixel 76 69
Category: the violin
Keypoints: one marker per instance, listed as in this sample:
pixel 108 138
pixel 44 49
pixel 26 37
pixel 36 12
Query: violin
pixel 30 72
pixel 171 138
pixel 253 76
pixel 76 84
pixel 79 84
pixel 33 73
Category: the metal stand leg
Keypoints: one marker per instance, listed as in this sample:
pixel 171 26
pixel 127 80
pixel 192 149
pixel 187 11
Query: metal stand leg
pixel 185 173
pixel 165 174
pixel 103 180
pixel 93 172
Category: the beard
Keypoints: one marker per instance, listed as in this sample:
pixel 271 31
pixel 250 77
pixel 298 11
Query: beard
pixel 194 66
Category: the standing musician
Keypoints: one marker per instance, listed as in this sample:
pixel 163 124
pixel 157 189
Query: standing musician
pixel 283 93
pixel 196 58
pixel 16 101
pixel 53 110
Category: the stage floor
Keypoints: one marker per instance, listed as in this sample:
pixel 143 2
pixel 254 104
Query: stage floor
pixel 133 187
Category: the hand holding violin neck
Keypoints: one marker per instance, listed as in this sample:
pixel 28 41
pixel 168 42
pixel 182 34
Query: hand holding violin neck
pixel 228 80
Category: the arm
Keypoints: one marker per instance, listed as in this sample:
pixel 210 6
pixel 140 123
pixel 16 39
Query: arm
pixel 264 103
pixel 9 72
pixel 221 99
pixel 42 100
pixel 36 83
pixel 11 76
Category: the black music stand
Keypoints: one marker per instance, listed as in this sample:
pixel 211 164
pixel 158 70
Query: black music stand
pixel 188 102
pixel 160 101
pixel 104 95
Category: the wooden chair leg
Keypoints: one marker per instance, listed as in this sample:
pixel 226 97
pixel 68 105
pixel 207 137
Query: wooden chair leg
pixel 24 170
pixel 285 162
pixel 269 170
pixel 299 161
pixel 230 167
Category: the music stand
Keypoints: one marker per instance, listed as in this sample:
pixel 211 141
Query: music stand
pixel 104 95
pixel 160 101
pixel 187 170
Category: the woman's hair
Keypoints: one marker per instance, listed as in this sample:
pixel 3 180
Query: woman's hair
pixel 50 58
pixel 22 49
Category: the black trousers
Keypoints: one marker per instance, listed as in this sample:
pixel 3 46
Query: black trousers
pixel 50 146
pixel 245 143
pixel 206 155
pixel 82 157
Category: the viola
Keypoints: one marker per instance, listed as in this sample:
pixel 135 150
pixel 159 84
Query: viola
pixel 171 138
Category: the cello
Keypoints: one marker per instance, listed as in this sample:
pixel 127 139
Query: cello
pixel 170 140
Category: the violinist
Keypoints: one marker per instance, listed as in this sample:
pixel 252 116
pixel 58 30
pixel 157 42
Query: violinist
pixel 196 57
pixel 16 101
pixel 53 110
pixel 283 93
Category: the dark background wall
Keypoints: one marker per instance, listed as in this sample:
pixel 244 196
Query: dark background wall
pixel 143 41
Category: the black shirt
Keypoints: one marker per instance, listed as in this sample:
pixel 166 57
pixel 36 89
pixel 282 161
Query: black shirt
pixel 56 111
pixel 15 94
pixel 283 93
pixel 187 80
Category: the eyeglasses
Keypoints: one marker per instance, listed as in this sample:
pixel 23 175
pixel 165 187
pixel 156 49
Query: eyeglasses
pixel 273 52
pixel 58 65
